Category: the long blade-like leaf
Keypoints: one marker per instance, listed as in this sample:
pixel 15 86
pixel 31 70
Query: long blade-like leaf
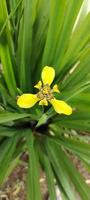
pixel 5 159
pixel 25 44
pixel 33 192
pixel 5 52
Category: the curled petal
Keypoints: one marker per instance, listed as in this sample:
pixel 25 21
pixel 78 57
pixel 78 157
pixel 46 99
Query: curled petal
pixel 61 107
pixel 38 85
pixel 48 74
pixel 27 100
pixel 55 88
pixel 43 102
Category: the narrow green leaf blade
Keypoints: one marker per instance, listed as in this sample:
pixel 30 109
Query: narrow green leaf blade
pixel 69 168
pixel 60 169
pixel 7 116
pixel 33 192
pixel 49 173
pixel 5 52
pixel 6 157
pixel 25 44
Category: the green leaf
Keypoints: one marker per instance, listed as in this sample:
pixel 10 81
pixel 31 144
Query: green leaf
pixel 60 169
pixel 13 6
pixel 82 13
pixel 78 121
pixel 7 116
pixel 25 44
pixel 82 101
pixel 39 36
pixel 43 119
pixel 8 149
pixel 77 179
pixel 80 36
pixel 78 147
pixel 5 52
pixel 71 12
pixel 78 76
pixel 49 173
pixel 57 9
pixel 7 97
pixel 74 175
pixel 12 166
pixel 33 192
pixel 70 93
pixel 7 132
pixel 50 178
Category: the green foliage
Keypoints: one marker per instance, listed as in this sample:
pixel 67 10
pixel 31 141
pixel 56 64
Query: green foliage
pixel 34 33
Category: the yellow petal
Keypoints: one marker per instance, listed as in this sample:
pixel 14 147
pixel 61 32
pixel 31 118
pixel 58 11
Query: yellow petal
pixel 43 102
pixel 61 107
pixel 27 100
pixel 48 74
pixel 38 85
pixel 55 88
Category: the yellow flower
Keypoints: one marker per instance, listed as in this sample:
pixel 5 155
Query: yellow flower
pixel 45 94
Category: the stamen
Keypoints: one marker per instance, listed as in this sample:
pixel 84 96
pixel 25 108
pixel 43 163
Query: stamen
pixel 45 93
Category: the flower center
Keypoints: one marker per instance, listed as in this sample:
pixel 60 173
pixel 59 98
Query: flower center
pixel 45 93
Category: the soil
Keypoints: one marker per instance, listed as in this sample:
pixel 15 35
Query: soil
pixel 15 187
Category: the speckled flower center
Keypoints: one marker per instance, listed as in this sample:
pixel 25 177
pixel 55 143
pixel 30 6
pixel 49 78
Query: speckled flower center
pixel 45 93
